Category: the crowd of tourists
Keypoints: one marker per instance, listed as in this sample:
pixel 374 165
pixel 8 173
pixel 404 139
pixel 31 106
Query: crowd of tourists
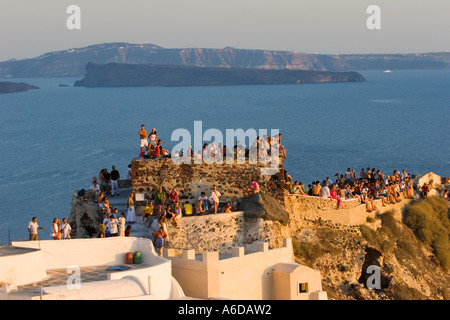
pixel 261 149
pixel 366 186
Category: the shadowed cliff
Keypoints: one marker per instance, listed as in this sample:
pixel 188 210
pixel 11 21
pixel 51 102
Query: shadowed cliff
pixel 131 75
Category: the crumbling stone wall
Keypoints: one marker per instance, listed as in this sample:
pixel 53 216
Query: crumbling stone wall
pixel 231 180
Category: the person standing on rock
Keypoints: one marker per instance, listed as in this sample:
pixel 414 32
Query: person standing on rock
pixel 115 177
pixel 143 136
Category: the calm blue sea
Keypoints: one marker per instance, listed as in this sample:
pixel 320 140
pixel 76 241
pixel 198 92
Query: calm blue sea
pixel 53 140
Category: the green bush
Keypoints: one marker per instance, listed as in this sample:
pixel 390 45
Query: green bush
pixel 429 220
pixel 382 238
pixel 308 251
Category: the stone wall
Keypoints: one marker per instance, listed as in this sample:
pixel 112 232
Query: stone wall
pixel 231 180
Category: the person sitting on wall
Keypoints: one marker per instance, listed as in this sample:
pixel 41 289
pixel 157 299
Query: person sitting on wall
pixel 173 196
pixel 227 208
pixel 157 150
pixel 325 191
pixel 203 200
pixel 94 189
pixel 187 209
pixel 199 207
pixel 160 196
pixel 177 214
pixel 254 187
pixel 148 213
pixel 333 195
pixel 316 189
pixel 158 241
pixel 234 204
pixel 370 205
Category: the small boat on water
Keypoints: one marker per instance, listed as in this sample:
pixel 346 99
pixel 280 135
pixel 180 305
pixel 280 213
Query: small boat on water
pixel 387 71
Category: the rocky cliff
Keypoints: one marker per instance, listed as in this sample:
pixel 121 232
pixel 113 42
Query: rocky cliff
pixel 130 75
pixel 72 62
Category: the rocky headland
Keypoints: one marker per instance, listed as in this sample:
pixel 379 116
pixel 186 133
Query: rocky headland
pixel 11 87
pixel 148 75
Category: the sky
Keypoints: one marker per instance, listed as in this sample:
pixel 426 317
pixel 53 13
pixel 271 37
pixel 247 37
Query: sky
pixel 29 28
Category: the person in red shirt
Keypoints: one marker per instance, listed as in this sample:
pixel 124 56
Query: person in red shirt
pixel 425 189
pixel 173 196
pixel 157 150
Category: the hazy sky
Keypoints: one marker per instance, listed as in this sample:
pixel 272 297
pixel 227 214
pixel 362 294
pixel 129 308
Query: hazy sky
pixel 29 28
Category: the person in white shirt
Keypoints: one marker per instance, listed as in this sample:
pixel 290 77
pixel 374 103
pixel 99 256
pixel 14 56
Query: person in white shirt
pixel 33 229
pixel 403 175
pixel 122 221
pixel 215 195
pixel 325 191
pixel 65 230
pixel 111 227
pixel 95 188
pixel 348 175
pixel 203 199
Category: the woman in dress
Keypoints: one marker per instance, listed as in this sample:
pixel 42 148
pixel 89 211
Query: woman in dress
pixel 215 196
pixel 56 233
pixel 129 173
pixel 122 225
pixel 131 213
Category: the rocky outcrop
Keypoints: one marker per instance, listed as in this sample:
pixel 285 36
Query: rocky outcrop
pixel 84 218
pixel 147 75
pixel 11 87
pixel 264 206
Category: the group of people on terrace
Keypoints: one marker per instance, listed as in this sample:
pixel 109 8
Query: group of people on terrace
pixel 369 185
pixel 166 206
pixel 111 223
pixel 261 149
pixel 60 230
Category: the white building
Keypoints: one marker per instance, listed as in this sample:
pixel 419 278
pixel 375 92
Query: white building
pixel 96 269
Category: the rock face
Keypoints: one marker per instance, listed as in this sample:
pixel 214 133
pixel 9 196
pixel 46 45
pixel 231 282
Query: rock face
pixel 72 62
pixel 11 87
pixel 83 218
pixel 131 75
pixel 265 207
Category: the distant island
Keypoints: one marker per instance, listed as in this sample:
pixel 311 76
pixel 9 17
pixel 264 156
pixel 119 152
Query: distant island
pixel 149 75
pixel 72 62
pixel 11 87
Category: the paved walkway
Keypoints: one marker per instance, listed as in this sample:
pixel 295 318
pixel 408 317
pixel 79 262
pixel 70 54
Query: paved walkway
pixel 120 202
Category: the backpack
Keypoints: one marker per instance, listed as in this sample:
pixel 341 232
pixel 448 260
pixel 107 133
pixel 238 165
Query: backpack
pixel 81 193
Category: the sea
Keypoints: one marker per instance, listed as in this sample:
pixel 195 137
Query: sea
pixel 55 139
